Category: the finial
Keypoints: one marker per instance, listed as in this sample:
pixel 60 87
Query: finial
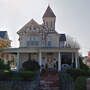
pixel 48 5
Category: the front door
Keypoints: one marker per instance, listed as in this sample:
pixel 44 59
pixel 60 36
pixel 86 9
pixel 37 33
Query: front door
pixel 51 62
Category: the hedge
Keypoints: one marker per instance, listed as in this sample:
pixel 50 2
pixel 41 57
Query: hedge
pixel 80 83
pixel 75 73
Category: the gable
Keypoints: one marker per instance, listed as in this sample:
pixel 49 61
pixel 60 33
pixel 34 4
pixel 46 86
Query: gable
pixel 31 25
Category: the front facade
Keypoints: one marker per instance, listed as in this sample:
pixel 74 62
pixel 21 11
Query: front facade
pixel 43 44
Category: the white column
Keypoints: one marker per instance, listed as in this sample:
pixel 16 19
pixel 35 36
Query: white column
pixel 10 58
pixel 59 61
pixel 72 58
pixel 17 61
pixel 40 59
pixel 76 59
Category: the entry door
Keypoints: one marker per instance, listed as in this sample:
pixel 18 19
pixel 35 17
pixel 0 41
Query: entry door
pixel 50 63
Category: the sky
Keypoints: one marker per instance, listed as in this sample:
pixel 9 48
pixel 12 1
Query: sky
pixel 72 18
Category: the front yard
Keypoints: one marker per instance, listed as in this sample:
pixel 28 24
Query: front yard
pixel 26 79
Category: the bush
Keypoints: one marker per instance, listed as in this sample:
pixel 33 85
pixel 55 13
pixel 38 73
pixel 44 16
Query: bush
pixel 31 65
pixel 80 83
pixel 76 73
pixel 27 75
pixel 88 73
pixel 5 75
pixel 4 66
pixel 24 75
pixel 82 65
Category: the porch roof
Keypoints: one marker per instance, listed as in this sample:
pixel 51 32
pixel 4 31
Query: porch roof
pixel 36 50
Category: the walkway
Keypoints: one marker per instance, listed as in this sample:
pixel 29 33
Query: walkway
pixel 49 81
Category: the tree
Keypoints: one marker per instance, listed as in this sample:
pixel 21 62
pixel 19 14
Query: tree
pixel 82 65
pixel 31 65
pixel 4 43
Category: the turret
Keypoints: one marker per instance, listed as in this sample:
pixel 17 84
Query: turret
pixel 49 19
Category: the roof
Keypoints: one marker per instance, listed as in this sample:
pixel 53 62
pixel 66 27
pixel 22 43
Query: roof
pixel 2 34
pixel 62 37
pixel 31 23
pixel 49 13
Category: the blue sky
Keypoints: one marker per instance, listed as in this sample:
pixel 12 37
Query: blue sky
pixel 72 18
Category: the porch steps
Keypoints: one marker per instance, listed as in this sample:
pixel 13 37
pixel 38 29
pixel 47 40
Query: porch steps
pixel 49 81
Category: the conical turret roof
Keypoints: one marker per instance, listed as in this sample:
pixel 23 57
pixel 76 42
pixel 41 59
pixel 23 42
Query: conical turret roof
pixel 49 13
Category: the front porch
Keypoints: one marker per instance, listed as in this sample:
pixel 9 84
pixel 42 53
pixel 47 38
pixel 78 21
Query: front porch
pixel 50 58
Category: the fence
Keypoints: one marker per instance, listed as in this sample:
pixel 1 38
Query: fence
pixel 66 82
pixel 20 85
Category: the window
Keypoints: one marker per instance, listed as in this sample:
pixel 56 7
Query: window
pixel 62 44
pixel 34 41
pixel 28 43
pixel 49 43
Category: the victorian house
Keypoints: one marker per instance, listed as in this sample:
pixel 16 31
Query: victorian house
pixel 41 42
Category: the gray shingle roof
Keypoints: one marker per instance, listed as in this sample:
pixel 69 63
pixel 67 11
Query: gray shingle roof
pixel 49 13
pixel 2 34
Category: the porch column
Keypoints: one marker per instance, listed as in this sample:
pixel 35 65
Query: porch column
pixel 40 58
pixel 4 57
pixel 10 58
pixel 76 59
pixel 18 61
pixel 72 58
pixel 59 61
